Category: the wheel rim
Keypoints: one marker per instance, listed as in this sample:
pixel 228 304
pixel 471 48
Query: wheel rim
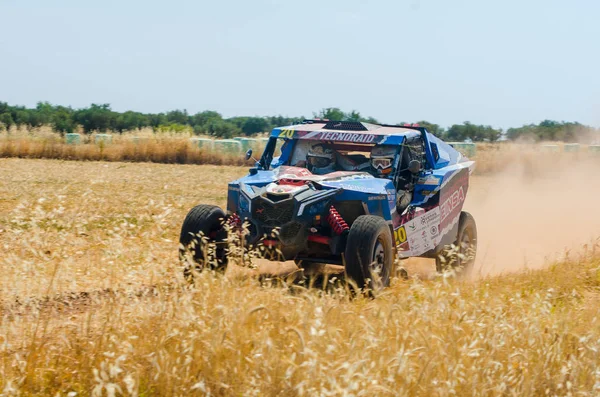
pixel 377 266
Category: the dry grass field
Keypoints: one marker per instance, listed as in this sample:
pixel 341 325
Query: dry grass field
pixel 93 301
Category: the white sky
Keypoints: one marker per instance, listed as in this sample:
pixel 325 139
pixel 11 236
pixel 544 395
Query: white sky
pixel 503 63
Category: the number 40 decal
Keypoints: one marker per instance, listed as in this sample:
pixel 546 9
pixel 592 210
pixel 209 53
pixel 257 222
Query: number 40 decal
pixel 400 235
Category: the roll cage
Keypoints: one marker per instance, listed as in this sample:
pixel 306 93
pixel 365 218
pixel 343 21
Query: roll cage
pixel 411 148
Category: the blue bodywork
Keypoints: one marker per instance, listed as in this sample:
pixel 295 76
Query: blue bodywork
pixel 438 189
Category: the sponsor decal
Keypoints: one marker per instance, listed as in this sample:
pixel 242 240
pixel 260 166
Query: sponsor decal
pixel 357 187
pixel 286 133
pixel 354 176
pixel 391 196
pixel 450 204
pixel 452 196
pixel 422 232
pixel 288 172
pixel 431 217
pixel 282 189
pixel 343 137
pixel 430 180
pixel 233 188
pixel 371 198
pixel 400 235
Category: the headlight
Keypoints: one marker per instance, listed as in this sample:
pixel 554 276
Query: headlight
pixel 312 208
pixel 316 204
pixel 244 204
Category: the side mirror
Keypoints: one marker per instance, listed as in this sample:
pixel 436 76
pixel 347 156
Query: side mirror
pixel 414 166
pixel 248 154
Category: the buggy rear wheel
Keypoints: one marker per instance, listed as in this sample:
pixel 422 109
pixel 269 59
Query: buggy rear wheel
pixel 462 256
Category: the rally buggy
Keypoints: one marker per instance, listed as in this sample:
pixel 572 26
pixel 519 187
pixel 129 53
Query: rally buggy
pixel 364 213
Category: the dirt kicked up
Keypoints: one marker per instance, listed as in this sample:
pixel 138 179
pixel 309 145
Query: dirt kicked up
pixel 534 214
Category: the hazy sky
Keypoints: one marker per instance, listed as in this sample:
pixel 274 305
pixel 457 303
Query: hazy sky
pixel 504 63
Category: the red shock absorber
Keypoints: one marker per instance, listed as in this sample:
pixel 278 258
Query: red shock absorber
pixel 335 220
pixel 235 221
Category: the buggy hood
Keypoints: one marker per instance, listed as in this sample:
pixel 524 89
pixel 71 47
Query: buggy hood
pixel 287 179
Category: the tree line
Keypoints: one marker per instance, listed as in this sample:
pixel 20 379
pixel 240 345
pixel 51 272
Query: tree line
pixel 101 118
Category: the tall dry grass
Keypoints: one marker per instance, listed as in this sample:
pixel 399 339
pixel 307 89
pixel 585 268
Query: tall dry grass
pixel 93 303
pixel 168 150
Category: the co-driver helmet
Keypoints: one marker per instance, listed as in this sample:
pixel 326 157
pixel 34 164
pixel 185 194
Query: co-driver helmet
pixel 382 159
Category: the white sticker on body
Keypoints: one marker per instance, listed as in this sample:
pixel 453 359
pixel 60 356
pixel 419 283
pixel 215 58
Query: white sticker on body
pixel 422 233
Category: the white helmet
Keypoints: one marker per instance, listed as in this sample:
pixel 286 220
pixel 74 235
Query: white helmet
pixel 382 159
pixel 320 159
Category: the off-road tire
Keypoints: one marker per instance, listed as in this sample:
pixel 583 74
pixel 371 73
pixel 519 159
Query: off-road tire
pixel 369 255
pixel 466 243
pixel 202 226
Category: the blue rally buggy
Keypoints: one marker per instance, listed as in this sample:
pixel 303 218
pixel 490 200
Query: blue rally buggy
pixel 347 193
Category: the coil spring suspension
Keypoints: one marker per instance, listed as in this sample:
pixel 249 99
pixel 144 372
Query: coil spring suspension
pixel 335 220
pixel 234 221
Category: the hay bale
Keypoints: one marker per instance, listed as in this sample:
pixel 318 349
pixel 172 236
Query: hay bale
pixel 203 143
pixel 571 147
pixel 249 143
pixel 72 139
pixel 549 148
pixel 102 138
pixel 139 139
pixel 230 146
pixel 467 149
pixel 594 149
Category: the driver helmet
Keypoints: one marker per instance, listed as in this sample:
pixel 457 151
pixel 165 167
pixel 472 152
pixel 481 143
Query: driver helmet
pixel 382 159
pixel 320 159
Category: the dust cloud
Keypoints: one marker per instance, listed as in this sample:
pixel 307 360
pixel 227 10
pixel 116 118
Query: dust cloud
pixel 536 212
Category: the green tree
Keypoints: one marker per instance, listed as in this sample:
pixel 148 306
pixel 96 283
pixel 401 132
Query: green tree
pixel 96 118
pixel 549 130
pixel 157 119
pixel 130 121
pixel 62 120
pixel 435 129
pixel 6 120
pixel 476 133
pixel 254 125
pixel 21 117
pixel 330 114
pixel 41 115
pixel 352 116
pixel 201 120
pixel 222 129
pixel 178 116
